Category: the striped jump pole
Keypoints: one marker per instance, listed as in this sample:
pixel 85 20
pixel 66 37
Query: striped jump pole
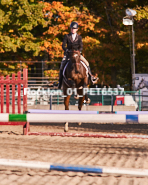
pixel 73 168
pixel 129 117
pixel 40 111
pixel 88 135
pixel 58 118
pixel 85 118
pixel 131 112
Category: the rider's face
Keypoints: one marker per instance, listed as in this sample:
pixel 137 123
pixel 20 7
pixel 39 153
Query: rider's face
pixel 73 30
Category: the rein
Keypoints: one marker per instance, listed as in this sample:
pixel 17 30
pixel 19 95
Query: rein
pixel 77 64
pixel 74 56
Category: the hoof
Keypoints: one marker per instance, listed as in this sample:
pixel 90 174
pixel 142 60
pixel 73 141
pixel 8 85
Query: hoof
pixel 79 123
pixel 95 80
pixel 76 97
pixel 88 101
pixel 66 127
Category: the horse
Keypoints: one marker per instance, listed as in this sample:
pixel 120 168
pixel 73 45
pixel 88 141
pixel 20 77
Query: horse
pixel 143 83
pixel 75 79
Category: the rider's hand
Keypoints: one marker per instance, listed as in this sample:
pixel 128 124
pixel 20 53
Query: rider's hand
pixel 79 52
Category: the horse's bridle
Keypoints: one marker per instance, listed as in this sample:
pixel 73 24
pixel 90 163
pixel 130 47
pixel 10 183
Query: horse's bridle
pixel 77 53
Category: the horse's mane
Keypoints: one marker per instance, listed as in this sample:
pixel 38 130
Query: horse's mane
pixel 73 54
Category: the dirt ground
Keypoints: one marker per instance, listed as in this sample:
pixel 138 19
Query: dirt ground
pixel 107 152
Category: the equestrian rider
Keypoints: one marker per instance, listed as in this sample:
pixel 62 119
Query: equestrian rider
pixel 73 41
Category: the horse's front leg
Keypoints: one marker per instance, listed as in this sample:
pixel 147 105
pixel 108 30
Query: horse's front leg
pixel 81 98
pixel 66 102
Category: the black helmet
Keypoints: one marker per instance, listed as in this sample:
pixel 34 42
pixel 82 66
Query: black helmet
pixel 74 25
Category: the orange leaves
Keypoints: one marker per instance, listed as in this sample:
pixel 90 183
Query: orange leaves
pixel 53 47
pixel 104 30
pixel 91 42
pixel 57 5
pixel 46 44
pixel 59 24
pixel 51 73
pixel 1 50
pixel 47 7
pixel 140 45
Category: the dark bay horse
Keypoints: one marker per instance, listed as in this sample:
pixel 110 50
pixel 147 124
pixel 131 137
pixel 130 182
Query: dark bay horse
pixel 75 78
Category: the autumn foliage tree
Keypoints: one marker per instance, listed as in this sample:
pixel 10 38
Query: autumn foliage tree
pixel 108 46
pixel 59 19
pixel 19 29
pixel 34 30
pixel 103 44
pixel 21 26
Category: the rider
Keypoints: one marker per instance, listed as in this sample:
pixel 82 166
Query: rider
pixel 73 41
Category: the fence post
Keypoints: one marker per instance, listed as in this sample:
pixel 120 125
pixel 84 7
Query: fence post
pixel 2 95
pixel 57 99
pixel 139 100
pixel 26 127
pixel 50 102
pixel 112 103
pixel 102 99
pixel 7 94
pixel 19 92
pixel 13 93
pixel 25 85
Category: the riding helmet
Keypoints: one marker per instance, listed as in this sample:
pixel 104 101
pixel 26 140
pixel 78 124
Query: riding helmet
pixel 74 25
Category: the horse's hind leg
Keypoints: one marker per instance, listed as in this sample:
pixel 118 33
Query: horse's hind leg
pixel 87 99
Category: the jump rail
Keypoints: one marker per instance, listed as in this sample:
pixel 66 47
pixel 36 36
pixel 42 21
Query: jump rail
pixel 85 118
pixel 20 119
pixel 89 135
pixel 10 86
pixel 131 112
pixel 73 168
pixel 39 111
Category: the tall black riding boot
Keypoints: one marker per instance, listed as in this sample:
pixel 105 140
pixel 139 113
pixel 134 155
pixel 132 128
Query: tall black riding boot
pixel 91 77
pixel 60 79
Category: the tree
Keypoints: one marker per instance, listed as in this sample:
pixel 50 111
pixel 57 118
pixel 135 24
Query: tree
pixel 107 46
pixel 33 30
pixel 21 28
pixel 59 19
pixel 100 29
